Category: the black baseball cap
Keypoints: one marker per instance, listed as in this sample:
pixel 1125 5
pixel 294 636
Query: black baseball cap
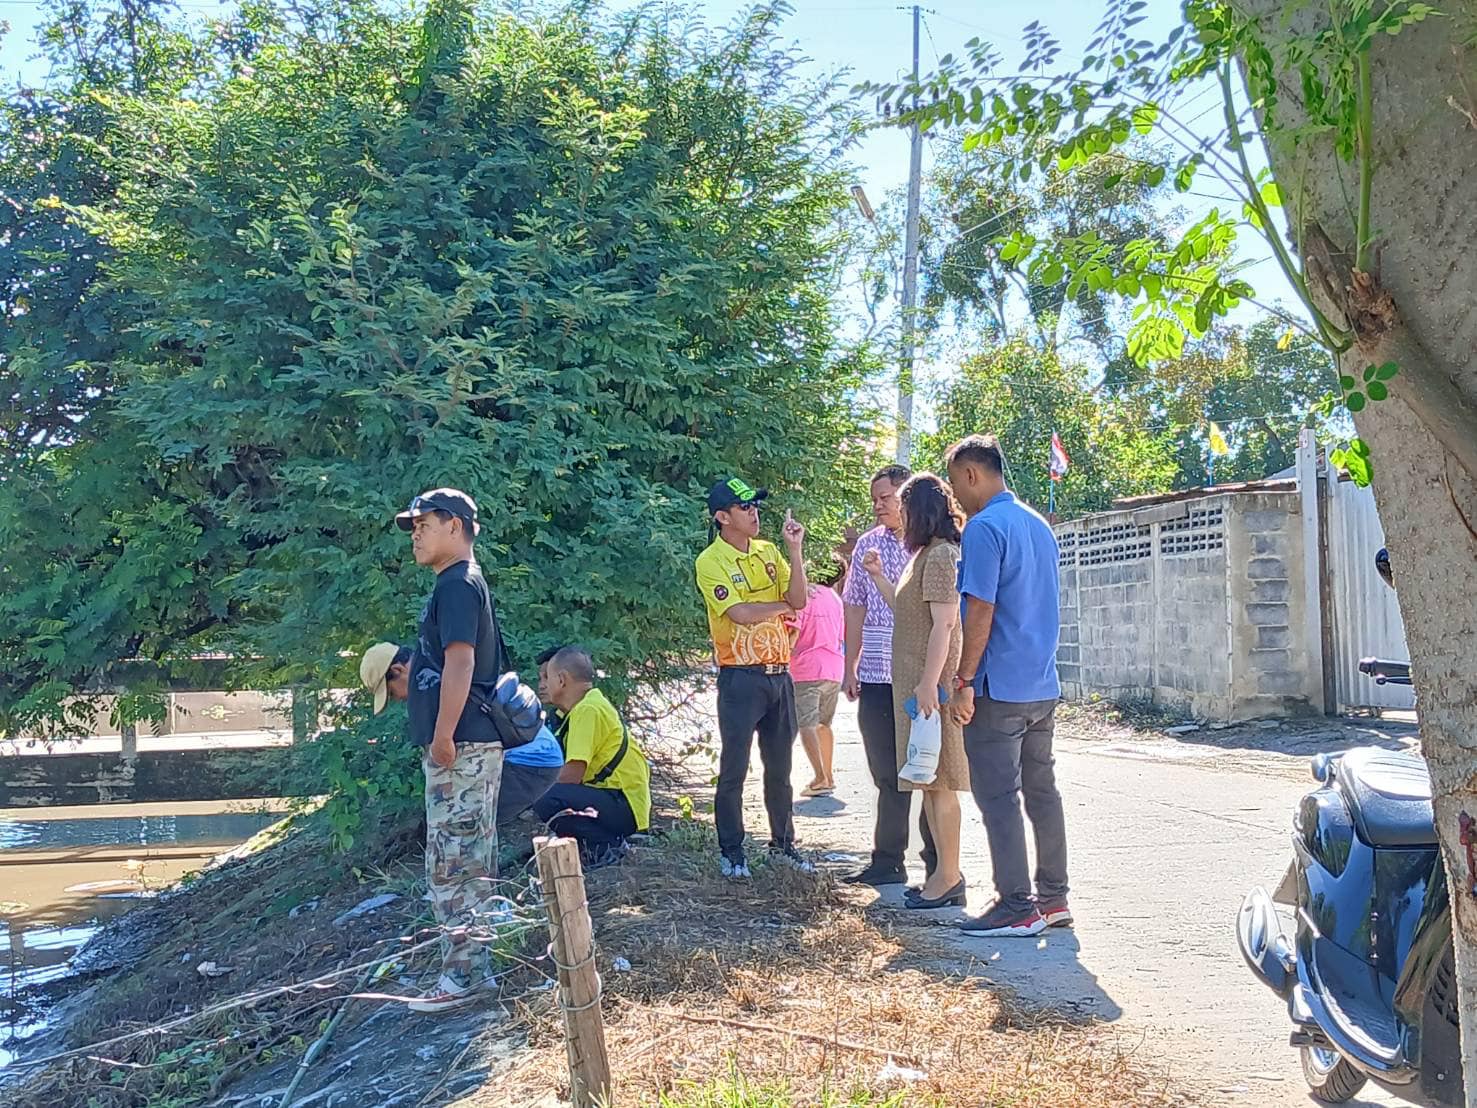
pixel 732 492
pixel 453 501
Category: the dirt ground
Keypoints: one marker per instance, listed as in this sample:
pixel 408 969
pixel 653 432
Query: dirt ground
pixel 1167 831
pixel 799 985
pixel 787 981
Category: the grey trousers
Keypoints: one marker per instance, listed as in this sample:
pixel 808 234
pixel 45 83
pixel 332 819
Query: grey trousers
pixel 522 786
pixel 1010 760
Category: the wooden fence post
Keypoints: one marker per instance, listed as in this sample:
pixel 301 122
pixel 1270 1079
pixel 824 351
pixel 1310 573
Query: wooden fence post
pixel 573 937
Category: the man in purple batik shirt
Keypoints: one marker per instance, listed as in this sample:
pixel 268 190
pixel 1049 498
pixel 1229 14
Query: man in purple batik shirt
pixel 869 681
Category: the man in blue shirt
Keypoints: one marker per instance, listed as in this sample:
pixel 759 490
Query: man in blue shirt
pixel 1006 692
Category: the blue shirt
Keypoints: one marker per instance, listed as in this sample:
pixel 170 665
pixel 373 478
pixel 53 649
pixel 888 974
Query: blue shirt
pixel 1009 559
pixel 543 751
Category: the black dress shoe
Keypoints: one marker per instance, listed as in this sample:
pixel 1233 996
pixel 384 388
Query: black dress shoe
pixel 876 876
pixel 954 898
pixel 912 891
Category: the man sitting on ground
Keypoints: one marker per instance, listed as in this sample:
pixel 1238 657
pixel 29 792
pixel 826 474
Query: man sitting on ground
pixel 528 770
pixel 603 794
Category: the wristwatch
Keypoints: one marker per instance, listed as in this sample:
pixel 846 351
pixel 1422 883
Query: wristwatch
pixel 961 682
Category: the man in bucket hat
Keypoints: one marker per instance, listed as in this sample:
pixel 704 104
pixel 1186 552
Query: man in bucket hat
pixel 748 589
pixel 459 649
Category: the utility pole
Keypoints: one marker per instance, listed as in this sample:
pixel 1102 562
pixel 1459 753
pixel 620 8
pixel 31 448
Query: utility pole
pixel 910 270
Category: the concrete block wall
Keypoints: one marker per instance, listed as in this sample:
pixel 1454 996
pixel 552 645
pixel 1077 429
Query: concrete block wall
pixel 1193 671
pixel 1195 604
pixel 1136 623
pixel 1115 591
pixel 1275 670
pixel 1068 651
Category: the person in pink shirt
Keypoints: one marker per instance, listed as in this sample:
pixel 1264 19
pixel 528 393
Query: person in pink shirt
pixel 817 662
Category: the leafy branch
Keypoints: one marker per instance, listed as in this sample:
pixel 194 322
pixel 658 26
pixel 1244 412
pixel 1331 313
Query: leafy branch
pixel 1120 95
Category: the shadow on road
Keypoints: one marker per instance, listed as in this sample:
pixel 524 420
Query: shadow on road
pixel 1044 973
pixel 1306 738
pixel 820 807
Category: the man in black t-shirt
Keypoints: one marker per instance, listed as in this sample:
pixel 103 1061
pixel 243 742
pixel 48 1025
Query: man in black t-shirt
pixel 459 650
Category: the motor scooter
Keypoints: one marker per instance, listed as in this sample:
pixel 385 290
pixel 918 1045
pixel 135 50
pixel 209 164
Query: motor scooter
pixel 1367 969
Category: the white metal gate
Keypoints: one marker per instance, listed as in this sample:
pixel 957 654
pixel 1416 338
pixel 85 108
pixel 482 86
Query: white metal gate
pixel 1366 615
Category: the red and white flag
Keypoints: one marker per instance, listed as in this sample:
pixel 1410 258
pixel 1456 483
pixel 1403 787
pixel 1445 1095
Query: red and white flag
pixel 1059 460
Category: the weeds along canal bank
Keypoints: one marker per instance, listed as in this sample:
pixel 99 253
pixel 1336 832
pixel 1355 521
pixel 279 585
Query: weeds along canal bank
pixel 279 977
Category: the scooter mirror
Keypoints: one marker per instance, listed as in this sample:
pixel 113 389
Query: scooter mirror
pixel 1322 766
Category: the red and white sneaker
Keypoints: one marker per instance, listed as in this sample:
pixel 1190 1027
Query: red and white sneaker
pixel 1055 912
pixel 1005 922
pixel 446 994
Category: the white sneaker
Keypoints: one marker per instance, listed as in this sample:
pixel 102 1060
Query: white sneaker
pixel 735 869
pixel 447 994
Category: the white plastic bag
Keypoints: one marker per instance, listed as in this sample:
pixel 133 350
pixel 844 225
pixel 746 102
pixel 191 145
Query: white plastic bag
pixel 925 740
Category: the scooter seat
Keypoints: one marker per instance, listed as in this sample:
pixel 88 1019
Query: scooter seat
pixel 1389 796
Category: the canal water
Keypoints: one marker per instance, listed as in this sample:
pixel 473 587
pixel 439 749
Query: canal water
pixel 66 871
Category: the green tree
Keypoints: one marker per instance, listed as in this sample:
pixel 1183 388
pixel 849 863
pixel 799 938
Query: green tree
pixel 1022 394
pixel 977 207
pixel 969 208
pixel 58 339
pixel 1259 385
pixel 579 268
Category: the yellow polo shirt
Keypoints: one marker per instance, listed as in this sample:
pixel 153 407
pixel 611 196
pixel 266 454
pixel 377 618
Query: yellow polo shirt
pixel 727 576
pixel 593 735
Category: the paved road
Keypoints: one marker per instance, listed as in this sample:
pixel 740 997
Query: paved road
pixel 1166 837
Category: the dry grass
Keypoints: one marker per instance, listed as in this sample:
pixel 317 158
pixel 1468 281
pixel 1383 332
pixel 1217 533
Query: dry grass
pixel 768 994
pixel 780 993
pixel 1096 718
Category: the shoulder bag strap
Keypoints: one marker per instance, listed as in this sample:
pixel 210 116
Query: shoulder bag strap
pixel 614 764
pixel 505 656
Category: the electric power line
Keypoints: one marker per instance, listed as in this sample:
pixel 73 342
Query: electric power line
pixel 923 14
pixel 1278 313
pixel 1227 417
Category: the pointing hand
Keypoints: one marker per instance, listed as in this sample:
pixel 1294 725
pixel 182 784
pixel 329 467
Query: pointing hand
pixel 794 531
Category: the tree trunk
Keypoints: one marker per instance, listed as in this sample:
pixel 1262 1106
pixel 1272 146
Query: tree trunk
pixel 1417 309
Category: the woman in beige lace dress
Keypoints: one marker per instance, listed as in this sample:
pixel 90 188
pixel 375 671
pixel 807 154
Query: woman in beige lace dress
pixel 926 641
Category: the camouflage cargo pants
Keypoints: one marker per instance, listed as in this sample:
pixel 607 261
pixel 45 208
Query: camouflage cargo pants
pixel 461 852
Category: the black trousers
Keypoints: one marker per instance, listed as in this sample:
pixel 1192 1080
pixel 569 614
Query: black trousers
pixel 751 702
pixel 878 725
pixel 521 786
pixel 612 822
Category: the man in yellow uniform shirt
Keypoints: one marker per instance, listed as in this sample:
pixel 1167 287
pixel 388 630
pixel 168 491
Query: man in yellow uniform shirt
pixel 603 794
pixel 749 589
